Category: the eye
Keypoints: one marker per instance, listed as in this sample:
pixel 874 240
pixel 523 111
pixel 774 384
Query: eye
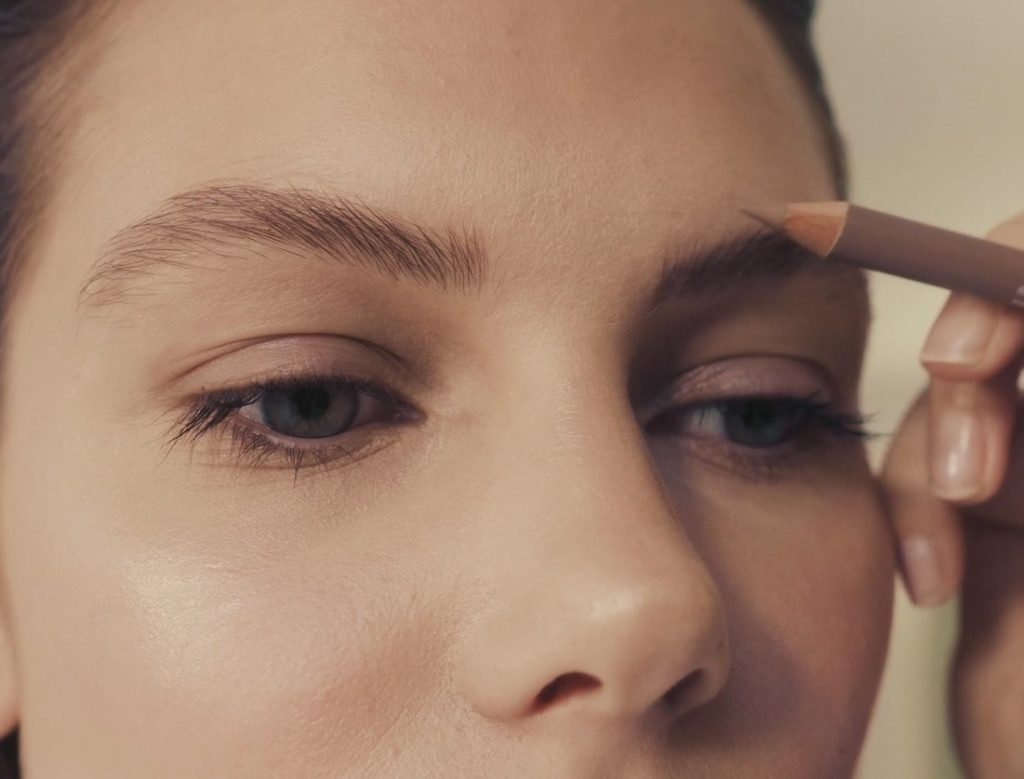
pixel 761 418
pixel 315 417
pixel 757 423
pixel 310 411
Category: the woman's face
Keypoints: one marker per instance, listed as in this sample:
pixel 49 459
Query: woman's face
pixel 549 534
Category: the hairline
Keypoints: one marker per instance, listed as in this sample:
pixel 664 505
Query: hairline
pixel 44 119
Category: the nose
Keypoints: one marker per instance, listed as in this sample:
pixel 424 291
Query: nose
pixel 595 604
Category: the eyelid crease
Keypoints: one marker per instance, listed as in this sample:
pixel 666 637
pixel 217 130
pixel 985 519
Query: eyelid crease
pixel 297 344
pixel 284 359
pixel 705 382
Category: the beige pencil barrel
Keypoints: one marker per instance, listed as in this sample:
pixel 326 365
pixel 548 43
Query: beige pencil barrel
pixel 880 241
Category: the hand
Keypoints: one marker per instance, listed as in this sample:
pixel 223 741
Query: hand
pixel 954 483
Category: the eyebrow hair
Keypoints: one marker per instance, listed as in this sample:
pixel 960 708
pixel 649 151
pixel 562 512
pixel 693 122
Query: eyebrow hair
pixel 760 257
pixel 223 218
pixel 219 219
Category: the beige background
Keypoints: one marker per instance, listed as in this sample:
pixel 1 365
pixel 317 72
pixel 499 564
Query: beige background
pixel 930 95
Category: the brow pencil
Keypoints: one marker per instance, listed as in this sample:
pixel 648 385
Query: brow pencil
pixel 902 247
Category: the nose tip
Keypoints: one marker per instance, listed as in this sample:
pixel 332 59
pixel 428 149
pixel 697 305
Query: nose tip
pixel 662 655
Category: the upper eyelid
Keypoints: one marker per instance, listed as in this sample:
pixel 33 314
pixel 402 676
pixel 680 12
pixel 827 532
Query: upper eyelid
pixel 699 385
pixel 267 359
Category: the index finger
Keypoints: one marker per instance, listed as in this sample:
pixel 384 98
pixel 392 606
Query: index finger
pixel 975 339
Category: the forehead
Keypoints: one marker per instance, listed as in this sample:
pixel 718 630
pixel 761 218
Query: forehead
pixel 656 99
pixel 566 130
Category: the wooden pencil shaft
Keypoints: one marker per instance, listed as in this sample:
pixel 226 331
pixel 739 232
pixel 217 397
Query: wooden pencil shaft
pixel 912 250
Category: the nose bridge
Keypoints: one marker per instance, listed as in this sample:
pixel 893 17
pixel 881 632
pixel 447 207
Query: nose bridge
pixel 598 487
pixel 599 602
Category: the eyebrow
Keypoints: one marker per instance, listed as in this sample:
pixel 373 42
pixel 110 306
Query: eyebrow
pixel 223 219
pixel 748 260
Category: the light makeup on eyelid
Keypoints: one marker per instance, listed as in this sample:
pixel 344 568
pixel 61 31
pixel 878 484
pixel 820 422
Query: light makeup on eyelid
pixel 300 416
pixel 748 374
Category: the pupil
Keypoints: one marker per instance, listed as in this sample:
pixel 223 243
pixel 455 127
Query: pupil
pixel 759 414
pixel 761 423
pixel 312 403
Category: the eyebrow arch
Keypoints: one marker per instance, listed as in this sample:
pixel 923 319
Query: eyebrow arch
pixel 221 219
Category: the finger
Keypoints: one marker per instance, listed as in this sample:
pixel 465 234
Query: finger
pixel 1006 507
pixel 970 428
pixel 973 338
pixel 928 530
pixel 1009 232
pixel 988 677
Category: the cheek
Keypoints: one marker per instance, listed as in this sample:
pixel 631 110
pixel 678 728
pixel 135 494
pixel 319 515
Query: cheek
pixel 207 660
pixel 158 625
pixel 807 576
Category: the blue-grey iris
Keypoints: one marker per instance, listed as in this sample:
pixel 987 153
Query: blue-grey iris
pixel 761 423
pixel 313 411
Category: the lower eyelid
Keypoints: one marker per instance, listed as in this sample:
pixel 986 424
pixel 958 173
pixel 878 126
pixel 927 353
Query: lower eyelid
pixel 254 447
pixel 789 460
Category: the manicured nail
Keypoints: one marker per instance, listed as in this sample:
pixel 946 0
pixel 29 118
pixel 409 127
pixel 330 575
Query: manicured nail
pixel 958 453
pixel 961 334
pixel 921 566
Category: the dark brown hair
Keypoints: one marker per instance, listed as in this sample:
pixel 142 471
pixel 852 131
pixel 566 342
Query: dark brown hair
pixel 36 103
pixel 38 51
pixel 30 31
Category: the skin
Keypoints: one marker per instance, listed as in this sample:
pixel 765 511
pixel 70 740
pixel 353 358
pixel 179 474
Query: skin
pixel 178 614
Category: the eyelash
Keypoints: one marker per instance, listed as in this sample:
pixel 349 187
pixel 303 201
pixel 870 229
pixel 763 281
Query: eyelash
pixel 821 424
pixel 254 448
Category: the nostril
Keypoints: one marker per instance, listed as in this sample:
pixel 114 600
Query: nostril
pixel 563 686
pixel 680 693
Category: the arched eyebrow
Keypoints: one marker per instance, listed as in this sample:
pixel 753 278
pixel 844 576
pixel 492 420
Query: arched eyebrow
pixel 228 219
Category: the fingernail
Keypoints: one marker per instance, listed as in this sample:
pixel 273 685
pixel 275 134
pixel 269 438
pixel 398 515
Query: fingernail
pixel 921 566
pixel 961 334
pixel 958 451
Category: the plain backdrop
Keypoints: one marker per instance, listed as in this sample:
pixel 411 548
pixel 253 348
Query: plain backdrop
pixel 930 97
